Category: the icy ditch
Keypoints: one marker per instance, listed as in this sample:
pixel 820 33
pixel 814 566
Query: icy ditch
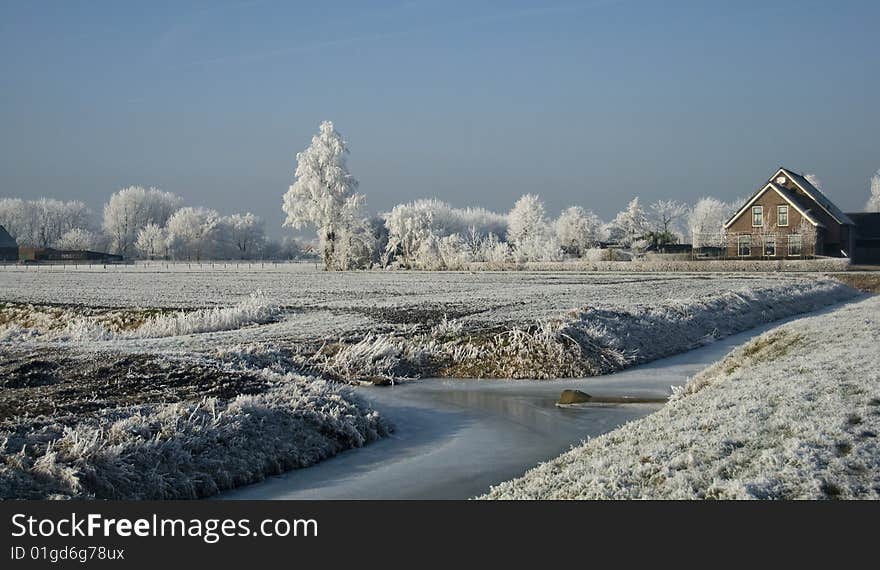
pixel 587 342
pixel 453 439
pixel 54 323
pixel 793 414
pixel 183 450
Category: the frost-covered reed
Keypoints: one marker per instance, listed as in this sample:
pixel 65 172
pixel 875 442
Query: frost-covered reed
pixel 185 450
pixel 256 309
pixel 587 342
pixel 70 324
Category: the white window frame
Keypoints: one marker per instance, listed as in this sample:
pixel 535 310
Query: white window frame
pixel 744 240
pixel 779 209
pixel 769 238
pixel 760 211
pixel 800 239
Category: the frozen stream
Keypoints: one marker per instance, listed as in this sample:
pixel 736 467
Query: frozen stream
pixel 455 438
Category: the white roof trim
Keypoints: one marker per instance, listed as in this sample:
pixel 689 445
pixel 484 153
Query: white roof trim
pixel 782 195
pixel 808 192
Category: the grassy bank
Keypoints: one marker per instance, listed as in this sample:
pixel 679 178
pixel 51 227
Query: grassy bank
pixel 793 414
pixel 587 342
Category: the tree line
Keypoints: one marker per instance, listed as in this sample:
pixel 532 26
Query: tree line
pixel 147 223
pixel 432 234
pixel 423 234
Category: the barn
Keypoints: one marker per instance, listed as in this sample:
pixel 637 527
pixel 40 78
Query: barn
pixel 50 255
pixel 867 246
pixel 8 246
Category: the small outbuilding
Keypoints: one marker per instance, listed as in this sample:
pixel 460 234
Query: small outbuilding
pixel 867 246
pixel 8 246
pixel 49 255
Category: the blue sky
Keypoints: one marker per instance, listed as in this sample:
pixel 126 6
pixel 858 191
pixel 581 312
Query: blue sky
pixel 474 102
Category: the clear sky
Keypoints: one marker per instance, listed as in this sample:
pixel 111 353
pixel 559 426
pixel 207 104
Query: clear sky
pixel 475 102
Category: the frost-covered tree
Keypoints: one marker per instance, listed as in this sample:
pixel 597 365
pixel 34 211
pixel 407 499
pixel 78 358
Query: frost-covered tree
pixel 873 204
pixel 355 246
pixel 706 220
pixel 495 252
pixel 42 222
pixel 527 220
pixel 192 233
pixel 545 248
pixel 152 242
pixel 244 233
pixel 287 249
pixel 664 218
pixel 291 248
pixel 411 225
pixel 49 216
pixel 529 231
pixel 81 240
pixel 814 180
pixel 55 218
pixel 578 230
pixel 12 217
pixel 325 195
pixel 629 227
pixel 808 238
pixel 129 210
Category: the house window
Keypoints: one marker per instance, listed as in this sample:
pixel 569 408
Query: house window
pixel 782 215
pixel 757 216
pixel 744 248
pixel 769 246
pixel 795 244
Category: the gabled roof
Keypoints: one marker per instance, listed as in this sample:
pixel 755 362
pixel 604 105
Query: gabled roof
pixel 803 207
pixel 6 240
pixel 786 195
pixel 815 194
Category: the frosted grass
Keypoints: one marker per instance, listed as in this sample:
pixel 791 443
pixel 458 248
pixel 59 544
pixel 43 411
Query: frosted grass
pixel 792 414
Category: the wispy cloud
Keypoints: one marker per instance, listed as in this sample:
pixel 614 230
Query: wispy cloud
pixel 317 46
pixel 255 56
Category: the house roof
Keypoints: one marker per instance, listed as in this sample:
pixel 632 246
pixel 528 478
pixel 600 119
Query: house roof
pixel 801 206
pixel 816 195
pixel 6 240
pixel 786 195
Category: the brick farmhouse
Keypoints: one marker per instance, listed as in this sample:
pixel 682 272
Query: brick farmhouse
pixel 788 217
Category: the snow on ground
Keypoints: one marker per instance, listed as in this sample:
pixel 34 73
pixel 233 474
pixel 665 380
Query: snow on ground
pixel 359 325
pixel 182 450
pixel 793 414
pixel 180 331
pixel 320 305
pixel 512 295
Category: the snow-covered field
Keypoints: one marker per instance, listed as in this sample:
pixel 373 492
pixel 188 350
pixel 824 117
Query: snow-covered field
pixel 793 414
pixel 321 304
pixel 510 294
pixel 355 325
pixel 112 365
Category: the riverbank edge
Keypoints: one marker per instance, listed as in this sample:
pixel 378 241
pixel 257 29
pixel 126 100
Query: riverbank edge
pixel 792 414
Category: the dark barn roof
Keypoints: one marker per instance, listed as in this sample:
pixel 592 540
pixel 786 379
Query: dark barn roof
pixel 6 240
